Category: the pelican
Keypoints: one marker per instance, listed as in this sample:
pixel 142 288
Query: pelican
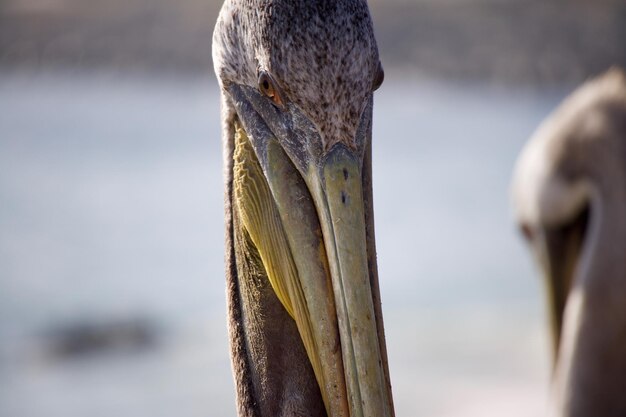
pixel 305 323
pixel 569 193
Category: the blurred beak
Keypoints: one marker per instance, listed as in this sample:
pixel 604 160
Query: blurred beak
pixel 307 212
pixel 559 251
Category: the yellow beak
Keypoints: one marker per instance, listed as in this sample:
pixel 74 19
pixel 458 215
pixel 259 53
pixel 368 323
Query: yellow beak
pixel 310 231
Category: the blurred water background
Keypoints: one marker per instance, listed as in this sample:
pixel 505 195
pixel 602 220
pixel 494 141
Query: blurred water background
pixel 112 298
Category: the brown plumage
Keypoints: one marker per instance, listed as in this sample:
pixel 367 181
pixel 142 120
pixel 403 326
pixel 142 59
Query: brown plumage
pixel 569 191
pixel 304 312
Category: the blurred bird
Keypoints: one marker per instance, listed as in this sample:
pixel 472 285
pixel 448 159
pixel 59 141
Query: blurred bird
pixel 305 321
pixel 569 193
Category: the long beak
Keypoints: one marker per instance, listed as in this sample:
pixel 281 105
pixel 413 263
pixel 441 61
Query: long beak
pixel 307 216
pixel 558 251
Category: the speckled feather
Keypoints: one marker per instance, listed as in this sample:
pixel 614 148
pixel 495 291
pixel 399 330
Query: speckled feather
pixel 323 57
pixel 322 54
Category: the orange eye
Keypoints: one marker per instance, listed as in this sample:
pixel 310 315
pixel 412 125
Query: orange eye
pixel 268 88
pixel 380 77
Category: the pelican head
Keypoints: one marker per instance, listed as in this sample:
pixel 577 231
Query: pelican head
pixel 297 80
pixel 569 193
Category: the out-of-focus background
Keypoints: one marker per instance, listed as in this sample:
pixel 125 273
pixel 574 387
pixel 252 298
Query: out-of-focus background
pixel 112 297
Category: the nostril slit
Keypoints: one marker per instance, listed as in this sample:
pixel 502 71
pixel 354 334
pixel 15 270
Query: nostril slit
pixel 343 197
pixel 345 174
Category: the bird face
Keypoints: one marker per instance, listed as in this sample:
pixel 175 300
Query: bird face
pixel 552 211
pixel 558 247
pixel 562 188
pixel 299 96
pixel 563 185
pixel 569 194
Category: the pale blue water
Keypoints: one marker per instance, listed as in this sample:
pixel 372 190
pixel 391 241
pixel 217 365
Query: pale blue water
pixel 111 207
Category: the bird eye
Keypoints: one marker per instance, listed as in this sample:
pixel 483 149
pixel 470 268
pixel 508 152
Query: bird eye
pixel 380 77
pixel 268 88
pixel 527 231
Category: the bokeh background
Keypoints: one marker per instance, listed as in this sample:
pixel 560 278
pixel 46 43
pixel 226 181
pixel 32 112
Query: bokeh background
pixel 112 298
